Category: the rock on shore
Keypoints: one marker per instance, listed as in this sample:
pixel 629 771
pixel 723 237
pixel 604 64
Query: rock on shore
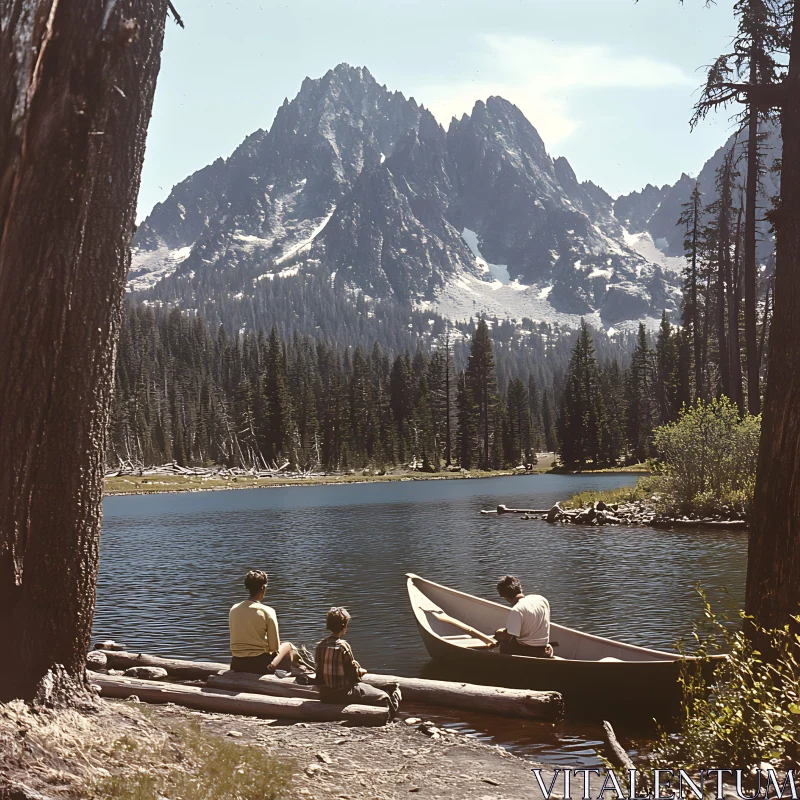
pixel 641 513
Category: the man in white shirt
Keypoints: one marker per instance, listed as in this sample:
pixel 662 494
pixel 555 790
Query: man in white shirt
pixel 527 631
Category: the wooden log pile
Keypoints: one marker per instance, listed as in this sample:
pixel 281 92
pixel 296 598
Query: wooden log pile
pixel 234 702
pixel 502 509
pixel 173 468
pixel 520 703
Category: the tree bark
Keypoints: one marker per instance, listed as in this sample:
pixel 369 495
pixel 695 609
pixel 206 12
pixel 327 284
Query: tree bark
pixel 751 199
pixel 734 309
pixel 76 90
pixel 723 278
pixel 699 366
pixel 773 569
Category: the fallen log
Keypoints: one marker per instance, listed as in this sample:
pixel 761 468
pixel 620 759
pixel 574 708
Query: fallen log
pixel 175 667
pixel 710 524
pixel 227 702
pixel 617 754
pixel 520 703
pixel 471 697
pixel 501 509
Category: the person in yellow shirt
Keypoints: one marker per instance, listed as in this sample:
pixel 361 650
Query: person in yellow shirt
pixel 255 639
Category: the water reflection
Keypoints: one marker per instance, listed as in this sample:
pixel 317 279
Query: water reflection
pixel 172 565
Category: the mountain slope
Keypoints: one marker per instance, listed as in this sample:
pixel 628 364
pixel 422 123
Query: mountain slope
pixel 656 211
pixel 360 186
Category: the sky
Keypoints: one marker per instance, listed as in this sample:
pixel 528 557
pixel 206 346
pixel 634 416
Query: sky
pixel 610 84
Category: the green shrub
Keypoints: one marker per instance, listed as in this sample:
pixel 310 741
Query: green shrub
pixel 748 714
pixel 643 489
pixel 708 458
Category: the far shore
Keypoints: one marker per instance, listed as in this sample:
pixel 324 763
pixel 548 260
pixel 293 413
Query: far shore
pixel 169 482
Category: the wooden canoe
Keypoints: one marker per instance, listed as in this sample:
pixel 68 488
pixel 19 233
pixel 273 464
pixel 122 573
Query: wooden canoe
pixel 595 675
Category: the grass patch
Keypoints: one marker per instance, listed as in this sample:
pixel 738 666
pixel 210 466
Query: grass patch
pixel 642 490
pixel 121 751
pixel 194 765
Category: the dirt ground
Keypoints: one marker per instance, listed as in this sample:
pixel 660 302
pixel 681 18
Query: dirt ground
pixel 335 761
pixel 94 754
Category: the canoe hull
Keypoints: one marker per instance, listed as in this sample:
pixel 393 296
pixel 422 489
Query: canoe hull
pixel 590 690
pixel 596 676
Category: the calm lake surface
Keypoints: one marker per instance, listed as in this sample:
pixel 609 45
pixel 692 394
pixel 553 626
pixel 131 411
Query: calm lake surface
pixel 172 565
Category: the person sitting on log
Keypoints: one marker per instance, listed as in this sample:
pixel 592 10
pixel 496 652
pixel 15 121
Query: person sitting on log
pixel 255 639
pixel 338 673
pixel 527 631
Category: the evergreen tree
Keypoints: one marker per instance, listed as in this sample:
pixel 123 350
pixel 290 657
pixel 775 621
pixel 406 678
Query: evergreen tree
pixel 518 442
pixel 362 421
pixel 641 407
pixel 549 421
pixel 467 439
pixel 482 383
pixel 277 434
pixel 537 426
pixel 667 383
pixel 757 59
pixel 401 400
pixel 612 432
pixel 691 220
pixel 580 420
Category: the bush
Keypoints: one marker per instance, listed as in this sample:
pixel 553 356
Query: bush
pixel 643 489
pixel 748 714
pixel 708 457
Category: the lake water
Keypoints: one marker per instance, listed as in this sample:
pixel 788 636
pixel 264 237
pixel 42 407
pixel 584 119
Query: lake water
pixel 172 565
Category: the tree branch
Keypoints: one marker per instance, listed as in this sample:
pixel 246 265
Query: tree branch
pixel 761 95
pixel 175 14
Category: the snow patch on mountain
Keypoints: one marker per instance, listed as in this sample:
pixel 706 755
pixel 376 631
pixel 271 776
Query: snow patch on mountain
pixel 498 271
pixel 306 243
pixel 466 296
pixel 643 244
pixel 148 267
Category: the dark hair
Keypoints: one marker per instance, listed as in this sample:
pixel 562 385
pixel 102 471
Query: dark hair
pixel 509 586
pixel 336 619
pixel 255 581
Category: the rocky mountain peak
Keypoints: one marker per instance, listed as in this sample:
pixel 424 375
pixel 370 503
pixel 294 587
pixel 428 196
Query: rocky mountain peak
pixel 361 184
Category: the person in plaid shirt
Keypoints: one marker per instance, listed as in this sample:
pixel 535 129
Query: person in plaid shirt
pixel 339 674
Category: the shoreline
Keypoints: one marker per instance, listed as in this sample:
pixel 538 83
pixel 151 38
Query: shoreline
pixel 77 750
pixel 169 483
pixel 642 505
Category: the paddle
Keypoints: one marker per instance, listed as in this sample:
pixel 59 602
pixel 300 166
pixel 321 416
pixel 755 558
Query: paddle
pixel 457 623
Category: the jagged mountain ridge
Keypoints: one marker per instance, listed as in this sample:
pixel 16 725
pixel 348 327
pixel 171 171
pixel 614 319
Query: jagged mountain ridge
pixel 655 210
pixel 360 184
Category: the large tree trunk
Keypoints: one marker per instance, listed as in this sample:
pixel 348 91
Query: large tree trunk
pixel 699 392
pixel 76 89
pixel 734 309
pixel 723 267
pixel 773 569
pixel 751 199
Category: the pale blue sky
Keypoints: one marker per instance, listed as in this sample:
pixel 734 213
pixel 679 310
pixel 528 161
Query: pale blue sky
pixel 608 83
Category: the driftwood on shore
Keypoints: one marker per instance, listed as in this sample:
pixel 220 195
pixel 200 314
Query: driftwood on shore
pixel 617 754
pixel 643 513
pixel 175 667
pixel 135 469
pixel 501 509
pixel 520 703
pixel 235 702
